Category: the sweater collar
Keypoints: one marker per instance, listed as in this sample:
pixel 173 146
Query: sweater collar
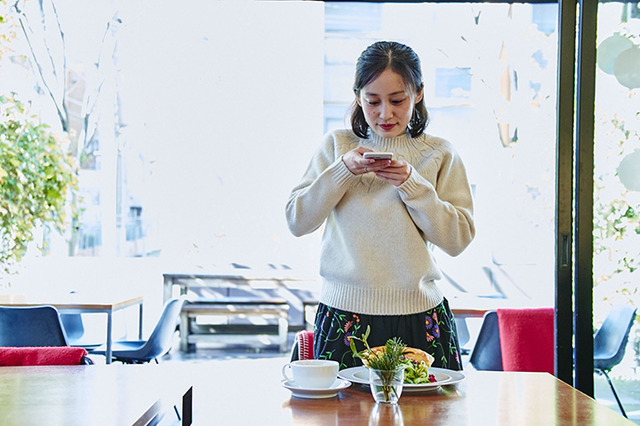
pixel 385 144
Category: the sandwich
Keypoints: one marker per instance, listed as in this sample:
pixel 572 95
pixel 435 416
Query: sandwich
pixel 418 355
pixel 415 355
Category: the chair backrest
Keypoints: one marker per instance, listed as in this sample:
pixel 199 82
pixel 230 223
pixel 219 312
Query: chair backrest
pixel 73 326
pixel 486 353
pixel 161 338
pixel 31 326
pixel 462 331
pixel 610 340
pixel 527 339
pixel 302 345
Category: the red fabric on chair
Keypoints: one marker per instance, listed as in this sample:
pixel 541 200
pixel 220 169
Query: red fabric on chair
pixel 42 355
pixel 305 344
pixel 526 339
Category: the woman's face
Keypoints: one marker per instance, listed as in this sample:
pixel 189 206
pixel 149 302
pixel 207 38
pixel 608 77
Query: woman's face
pixel 388 104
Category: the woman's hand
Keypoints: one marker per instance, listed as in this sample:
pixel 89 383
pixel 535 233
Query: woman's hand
pixel 396 173
pixel 358 165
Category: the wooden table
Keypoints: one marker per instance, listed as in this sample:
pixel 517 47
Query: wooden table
pixel 78 304
pixel 252 394
pixel 249 391
pixel 93 395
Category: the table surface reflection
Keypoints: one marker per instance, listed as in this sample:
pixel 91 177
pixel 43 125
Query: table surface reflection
pixel 249 391
pixel 93 395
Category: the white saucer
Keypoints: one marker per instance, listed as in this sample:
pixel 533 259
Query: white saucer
pixel 329 392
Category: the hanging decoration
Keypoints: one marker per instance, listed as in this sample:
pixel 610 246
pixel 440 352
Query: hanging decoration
pixel 617 55
pixel 629 171
pixel 626 68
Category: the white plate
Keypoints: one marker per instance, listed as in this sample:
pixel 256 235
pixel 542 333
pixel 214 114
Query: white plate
pixel 330 392
pixel 443 377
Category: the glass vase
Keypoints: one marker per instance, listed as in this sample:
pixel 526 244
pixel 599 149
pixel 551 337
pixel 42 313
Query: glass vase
pixel 386 385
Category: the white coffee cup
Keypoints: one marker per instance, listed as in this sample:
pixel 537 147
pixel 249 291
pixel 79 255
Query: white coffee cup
pixel 312 373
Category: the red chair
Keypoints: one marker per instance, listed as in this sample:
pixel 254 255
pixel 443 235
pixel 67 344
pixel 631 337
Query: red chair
pixel 43 355
pixel 527 339
pixel 302 346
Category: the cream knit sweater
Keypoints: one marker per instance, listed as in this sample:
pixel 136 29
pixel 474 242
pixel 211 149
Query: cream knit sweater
pixel 376 248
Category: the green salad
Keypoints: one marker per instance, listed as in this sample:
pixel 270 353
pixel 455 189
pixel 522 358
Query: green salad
pixel 417 373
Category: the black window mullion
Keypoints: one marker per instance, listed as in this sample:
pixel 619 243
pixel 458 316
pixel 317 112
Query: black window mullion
pixel 583 302
pixel 564 190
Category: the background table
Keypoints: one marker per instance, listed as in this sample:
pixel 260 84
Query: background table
pixel 242 303
pixel 78 304
pixel 92 395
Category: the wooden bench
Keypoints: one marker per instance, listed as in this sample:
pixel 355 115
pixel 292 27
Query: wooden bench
pixel 192 333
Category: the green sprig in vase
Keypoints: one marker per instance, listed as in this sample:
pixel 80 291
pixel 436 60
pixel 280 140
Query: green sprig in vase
pixel 386 367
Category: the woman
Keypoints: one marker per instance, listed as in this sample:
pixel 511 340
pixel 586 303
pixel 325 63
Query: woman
pixel 383 216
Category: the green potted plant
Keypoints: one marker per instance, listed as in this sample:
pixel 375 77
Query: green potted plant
pixel 386 367
pixel 36 178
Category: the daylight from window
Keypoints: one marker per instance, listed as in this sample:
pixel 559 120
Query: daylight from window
pixel 188 144
pixel 190 124
pixel 492 94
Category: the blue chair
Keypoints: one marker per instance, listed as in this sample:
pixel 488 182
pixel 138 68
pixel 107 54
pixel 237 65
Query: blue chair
pixel 462 332
pixel 74 329
pixel 31 326
pixel 610 341
pixel 486 353
pixel 158 343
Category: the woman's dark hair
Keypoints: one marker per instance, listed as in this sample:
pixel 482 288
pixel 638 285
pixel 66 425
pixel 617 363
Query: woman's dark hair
pixel 399 58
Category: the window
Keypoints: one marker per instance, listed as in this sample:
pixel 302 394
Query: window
pixel 492 94
pixel 201 140
pixel 452 82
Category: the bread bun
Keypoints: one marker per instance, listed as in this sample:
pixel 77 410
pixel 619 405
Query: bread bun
pixel 419 355
pixel 413 354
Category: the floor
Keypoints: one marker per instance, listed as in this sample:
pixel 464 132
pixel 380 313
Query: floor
pixel 628 390
pixel 626 379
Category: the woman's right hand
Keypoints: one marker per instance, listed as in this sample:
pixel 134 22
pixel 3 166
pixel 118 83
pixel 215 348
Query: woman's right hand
pixel 358 165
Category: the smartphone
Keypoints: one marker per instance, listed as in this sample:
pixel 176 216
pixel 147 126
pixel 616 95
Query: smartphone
pixel 378 155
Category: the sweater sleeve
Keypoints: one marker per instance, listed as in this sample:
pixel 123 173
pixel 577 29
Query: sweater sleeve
pixel 323 185
pixel 441 204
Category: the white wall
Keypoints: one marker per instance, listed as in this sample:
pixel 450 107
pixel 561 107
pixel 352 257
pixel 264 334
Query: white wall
pixel 224 100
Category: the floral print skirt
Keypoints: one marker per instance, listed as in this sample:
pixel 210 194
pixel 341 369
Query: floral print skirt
pixel 433 331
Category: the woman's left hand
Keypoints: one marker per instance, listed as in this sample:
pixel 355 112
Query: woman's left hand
pixel 397 172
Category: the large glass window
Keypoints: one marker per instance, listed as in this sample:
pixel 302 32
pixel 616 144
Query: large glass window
pixel 617 170
pixel 492 94
pixel 190 126
pixel 209 114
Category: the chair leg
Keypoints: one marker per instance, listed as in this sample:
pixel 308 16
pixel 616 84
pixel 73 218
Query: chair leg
pixel 615 393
